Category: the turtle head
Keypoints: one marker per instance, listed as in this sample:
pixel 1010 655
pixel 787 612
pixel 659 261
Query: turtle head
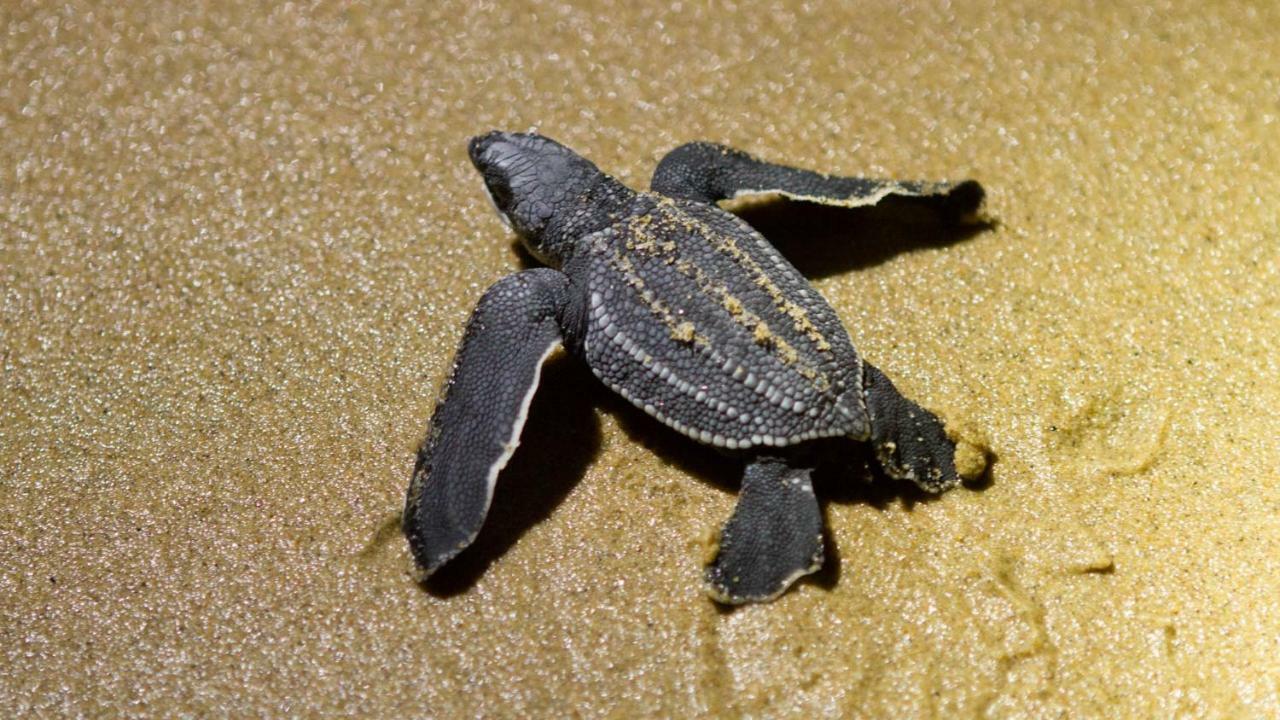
pixel 546 192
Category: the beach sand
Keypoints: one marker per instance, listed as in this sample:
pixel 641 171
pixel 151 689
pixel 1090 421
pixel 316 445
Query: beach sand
pixel 238 248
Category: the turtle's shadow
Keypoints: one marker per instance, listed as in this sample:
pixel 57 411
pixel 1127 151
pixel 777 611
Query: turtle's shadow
pixel 561 438
pixel 846 472
pixel 821 240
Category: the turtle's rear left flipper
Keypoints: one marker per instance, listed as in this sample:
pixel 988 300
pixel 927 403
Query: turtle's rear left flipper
pixel 708 172
pixel 773 538
pixel 477 423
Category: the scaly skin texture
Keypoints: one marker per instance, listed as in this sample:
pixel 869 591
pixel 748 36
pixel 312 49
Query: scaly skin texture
pixel 707 172
pixel 773 537
pixel 477 422
pixel 698 321
pixel 692 316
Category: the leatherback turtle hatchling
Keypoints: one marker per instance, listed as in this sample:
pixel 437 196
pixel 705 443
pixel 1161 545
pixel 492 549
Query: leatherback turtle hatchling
pixel 690 314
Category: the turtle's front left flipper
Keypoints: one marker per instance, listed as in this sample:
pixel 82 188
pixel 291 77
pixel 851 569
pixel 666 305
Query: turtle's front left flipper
pixel 708 172
pixel 477 421
pixel 773 538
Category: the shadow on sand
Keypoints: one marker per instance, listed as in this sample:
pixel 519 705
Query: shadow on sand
pixel 822 241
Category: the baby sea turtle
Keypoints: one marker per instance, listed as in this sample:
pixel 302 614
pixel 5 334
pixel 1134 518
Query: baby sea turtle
pixel 690 314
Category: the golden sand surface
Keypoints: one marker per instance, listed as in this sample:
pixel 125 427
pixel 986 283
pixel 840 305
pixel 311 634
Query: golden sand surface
pixel 238 247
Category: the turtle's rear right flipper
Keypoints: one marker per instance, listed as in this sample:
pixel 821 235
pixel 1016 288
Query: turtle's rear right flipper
pixel 911 443
pixel 773 538
pixel 477 421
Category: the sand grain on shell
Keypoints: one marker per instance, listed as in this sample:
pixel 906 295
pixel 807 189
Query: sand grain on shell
pixel 238 246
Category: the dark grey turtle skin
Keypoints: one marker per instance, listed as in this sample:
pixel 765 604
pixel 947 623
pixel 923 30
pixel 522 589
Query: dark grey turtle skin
pixel 691 315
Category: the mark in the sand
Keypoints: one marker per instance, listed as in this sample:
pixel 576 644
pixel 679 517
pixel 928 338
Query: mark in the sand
pixel 1118 431
pixel 1025 655
pixel 715 680
pixel 387 530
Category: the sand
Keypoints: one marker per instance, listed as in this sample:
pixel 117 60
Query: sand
pixel 238 247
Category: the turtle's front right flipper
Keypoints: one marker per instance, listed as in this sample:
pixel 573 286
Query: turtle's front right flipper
pixel 773 538
pixel 477 421
pixel 709 173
